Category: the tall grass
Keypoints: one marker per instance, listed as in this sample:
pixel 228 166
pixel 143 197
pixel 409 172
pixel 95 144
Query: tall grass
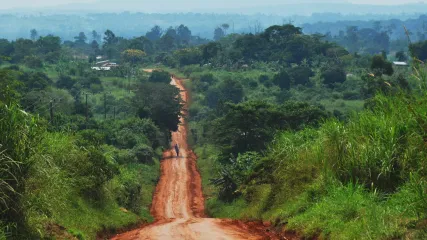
pixel 362 179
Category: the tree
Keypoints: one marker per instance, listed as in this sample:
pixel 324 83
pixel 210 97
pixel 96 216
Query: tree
pixel 401 56
pixel 22 48
pixel 218 33
pixel 109 38
pixel 210 50
pixel 381 66
pixel 155 33
pixel 33 62
pixel 183 34
pixel 161 103
pixel 95 36
pixel 80 39
pixel 34 34
pixel 50 47
pixel 143 44
pixel 225 26
pixel 419 50
pixel 65 82
pixel 133 56
pixel 188 56
pixel 281 34
pixel 333 75
pixel 171 32
pixel 247 126
pixel 300 75
pixel 6 48
pixel 231 90
pixel 9 87
pixel 167 42
pixel 160 77
pixel 251 125
pixel 95 47
pixel 35 80
pixel 352 38
pixel 282 79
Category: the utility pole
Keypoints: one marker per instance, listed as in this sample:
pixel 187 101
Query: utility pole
pixel 105 106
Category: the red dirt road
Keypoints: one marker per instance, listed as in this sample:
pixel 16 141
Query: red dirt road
pixel 178 203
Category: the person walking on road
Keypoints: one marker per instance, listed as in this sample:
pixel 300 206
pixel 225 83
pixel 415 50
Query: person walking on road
pixel 177 150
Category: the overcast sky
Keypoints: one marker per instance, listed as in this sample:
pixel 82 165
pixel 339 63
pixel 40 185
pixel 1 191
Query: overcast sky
pixel 7 4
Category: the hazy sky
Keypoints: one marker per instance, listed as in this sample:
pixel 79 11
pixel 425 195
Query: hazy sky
pixel 7 4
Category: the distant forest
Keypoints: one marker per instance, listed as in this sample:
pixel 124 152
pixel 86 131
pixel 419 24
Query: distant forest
pixel 129 25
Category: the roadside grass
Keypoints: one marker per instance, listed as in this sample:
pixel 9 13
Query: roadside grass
pixel 363 179
pixel 206 162
pixel 56 198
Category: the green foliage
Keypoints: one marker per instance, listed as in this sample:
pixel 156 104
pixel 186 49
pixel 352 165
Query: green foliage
pixel 33 62
pixel 234 174
pixel 333 75
pixel 332 181
pixel 161 103
pixel 283 80
pixel 133 56
pixel 160 77
pixel 65 81
pixel 249 126
pixel 419 50
pixel 188 56
pixel 35 80
pixel 381 66
pixel 300 75
pixel 230 90
pixel 9 87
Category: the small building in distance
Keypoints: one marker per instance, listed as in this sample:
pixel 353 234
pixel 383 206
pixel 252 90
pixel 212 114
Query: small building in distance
pixel 105 65
pixel 401 64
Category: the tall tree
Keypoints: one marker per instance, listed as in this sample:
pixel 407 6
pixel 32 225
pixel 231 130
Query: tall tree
pixel 133 56
pixel 155 33
pixel 109 38
pixel 225 27
pixel 34 34
pixel 80 39
pixel 183 34
pixel 95 47
pixel 218 33
pixel 95 36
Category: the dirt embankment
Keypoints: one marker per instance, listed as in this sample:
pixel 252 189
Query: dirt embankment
pixel 178 203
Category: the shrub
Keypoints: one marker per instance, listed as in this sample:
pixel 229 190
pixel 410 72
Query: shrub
pixel 333 75
pixel 33 62
pixel 381 66
pixel 160 77
pixel 144 153
pixel 283 80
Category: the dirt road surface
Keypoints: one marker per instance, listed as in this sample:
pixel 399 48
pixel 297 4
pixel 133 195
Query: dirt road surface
pixel 178 203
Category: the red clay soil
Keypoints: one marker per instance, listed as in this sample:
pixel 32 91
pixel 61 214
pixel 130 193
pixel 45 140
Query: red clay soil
pixel 178 203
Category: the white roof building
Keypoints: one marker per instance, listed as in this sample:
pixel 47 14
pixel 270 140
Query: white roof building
pixel 400 64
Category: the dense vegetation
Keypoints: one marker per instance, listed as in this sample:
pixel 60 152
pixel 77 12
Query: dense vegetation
pixel 79 148
pixel 272 144
pixel 292 128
